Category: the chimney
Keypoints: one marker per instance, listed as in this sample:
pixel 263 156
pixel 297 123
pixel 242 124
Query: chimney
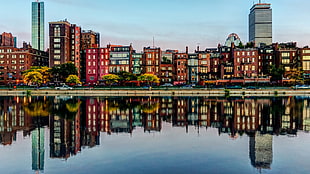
pixel 198 48
pixel 186 50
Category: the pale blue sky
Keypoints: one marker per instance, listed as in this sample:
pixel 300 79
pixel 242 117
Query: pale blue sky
pixel 174 23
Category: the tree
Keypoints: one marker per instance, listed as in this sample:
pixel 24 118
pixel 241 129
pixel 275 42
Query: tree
pixel 110 79
pixel 73 79
pixel 44 71
pixel 61 72
pixel 125 76
pixel 296 75
pixel 276 73
pixel 149 78
pixel 33 77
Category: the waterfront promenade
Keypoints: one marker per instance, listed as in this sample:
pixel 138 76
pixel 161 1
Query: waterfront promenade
pixel 157 92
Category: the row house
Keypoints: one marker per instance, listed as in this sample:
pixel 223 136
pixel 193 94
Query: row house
pixel 192 68
pixel 180 68
pixel 89 39
pixel 137 63
pixel 286 56
pixel 204 66
pixel 304 62
pixel 120 58
pixel 267 58
pixel 97 64
pixel 166 66
pixel 151 61
pixel 245 63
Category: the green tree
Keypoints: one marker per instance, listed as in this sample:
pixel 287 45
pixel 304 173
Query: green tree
pixel 33 77
pixel 73 79
pixel 125 76
pixel 148 78
pixel 276 73
pixel 110 79
pixel 61 72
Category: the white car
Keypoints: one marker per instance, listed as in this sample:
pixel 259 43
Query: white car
pixel 63 87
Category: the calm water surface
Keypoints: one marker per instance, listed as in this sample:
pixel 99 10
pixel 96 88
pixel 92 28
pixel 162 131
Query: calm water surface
pixel 64 134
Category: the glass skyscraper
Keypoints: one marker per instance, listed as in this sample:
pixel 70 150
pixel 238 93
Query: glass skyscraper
pixel 260 24
pixel 38 25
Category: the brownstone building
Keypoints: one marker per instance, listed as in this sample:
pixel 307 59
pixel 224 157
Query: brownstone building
pixel 151 61
pixel 245 63
pixel 286 56
pixel 304 62
pixel 180 68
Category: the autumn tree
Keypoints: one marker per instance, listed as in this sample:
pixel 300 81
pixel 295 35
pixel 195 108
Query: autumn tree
pixel 73 79
pixel 148 78
pixel 44 71
pixel 110 79
pixel 33 77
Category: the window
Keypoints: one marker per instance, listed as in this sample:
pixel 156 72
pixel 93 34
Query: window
pixel 56 39
pixel 56 45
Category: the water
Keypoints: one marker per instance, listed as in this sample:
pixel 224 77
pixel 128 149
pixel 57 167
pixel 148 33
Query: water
pixel 66 134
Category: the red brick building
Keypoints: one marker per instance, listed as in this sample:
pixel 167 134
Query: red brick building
pixel 180 68
pixel 13 61
pixel 151 61
pixel 245 63
pixel 6 39
pixel 97 64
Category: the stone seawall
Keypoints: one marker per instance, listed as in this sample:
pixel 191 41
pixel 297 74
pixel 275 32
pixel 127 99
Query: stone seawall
pixel 176 92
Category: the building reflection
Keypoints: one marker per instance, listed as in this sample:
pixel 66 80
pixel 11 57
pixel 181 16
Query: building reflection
pixel 65 137
pixel 76 122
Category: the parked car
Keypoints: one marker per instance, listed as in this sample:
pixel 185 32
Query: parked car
pixel 63 87
pixel 167 85
pixel 252 87
pixel 187 86
pixel 301 87
pixel 44 87
pixel 234 87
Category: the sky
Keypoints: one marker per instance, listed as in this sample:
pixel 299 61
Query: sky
pixel 174 24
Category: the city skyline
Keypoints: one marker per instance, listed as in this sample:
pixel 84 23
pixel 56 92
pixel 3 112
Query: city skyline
pixel 173 24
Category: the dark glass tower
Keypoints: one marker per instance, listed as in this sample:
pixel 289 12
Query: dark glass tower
pixel 38 25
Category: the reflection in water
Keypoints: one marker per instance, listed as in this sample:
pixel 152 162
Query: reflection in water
pixel 77 122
